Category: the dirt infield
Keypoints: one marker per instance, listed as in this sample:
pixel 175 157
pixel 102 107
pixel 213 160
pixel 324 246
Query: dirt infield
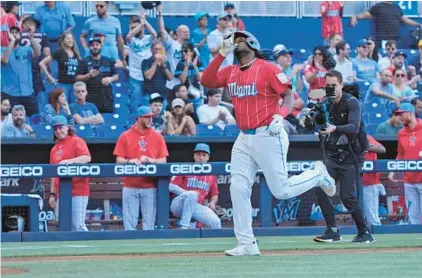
pixel 219 254
pixel 12 271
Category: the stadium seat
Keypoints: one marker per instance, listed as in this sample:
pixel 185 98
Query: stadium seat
pixel 120 87
pixel 121 98
pixel 371 128
pixel 30 103
pixel 113 119
pixel 301 54
pixel 42 131
pixel 42 100
pixel 231 130
pixel 377 118
pixel 365 117
pixel 208 130
pixel 109 131
pixel 374 107
pixel 122 110
pixel 363 87
pixel 35 119
pixel 85 131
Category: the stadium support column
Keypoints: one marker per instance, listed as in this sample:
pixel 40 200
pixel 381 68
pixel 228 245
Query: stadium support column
pixel 65 205
pixel 163 206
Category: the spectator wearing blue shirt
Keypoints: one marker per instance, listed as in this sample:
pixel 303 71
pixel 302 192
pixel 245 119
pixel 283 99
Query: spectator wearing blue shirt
pixel 84 112
pixel 382 92
pixel 283 58
pixel 55 18
pixel 110 26
pixel 18 128
pixel 390 127
pixel 16 64
pixel 199 37
pixel 58 105
pixel 365 69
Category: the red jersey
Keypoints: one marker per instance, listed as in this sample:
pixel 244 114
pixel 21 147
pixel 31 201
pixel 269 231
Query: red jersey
pixel 68 148
pixel 204 185
pixel 409 146
pixel 331 18
pixel 7 21
pixel 371 178
pixel 255 91
pixel 319 82
pixel 295 111
pixel 134 143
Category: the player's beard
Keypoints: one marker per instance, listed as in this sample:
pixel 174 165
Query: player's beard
pixel 241 53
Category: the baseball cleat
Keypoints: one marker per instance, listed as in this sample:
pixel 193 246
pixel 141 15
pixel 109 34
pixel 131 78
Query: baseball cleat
pixel 244 250
pixel 329 236
pixel 363 238
pixel 328 183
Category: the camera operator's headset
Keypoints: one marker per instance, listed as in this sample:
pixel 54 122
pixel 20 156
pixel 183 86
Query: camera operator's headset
pixel 320 94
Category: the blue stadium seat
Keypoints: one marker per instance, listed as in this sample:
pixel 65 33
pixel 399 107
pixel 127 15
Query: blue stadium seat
pixel 122 110
pixel 113 119
pixel 231 130
pixel 35 119
pixel 208 130
pixel 363 86
pixel 42 131
pixel 120 87
pixel 371 128
pixel 411 53
pixel 109 131
pixel 377 118
pixel 42 99
pixel 131 119
pixel 365 117
pixel 85 131
pixel 301 54
pixel 374 107
pixel 121 98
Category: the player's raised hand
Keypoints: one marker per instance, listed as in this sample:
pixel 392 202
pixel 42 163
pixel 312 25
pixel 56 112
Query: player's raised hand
pixel 276 126
pixel 228 46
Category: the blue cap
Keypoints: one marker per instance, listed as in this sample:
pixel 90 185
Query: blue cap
pixel 200 15
pixel 202 147
pixel 362 42
pixel 406 107
pixel 144 111
pixel 94 39
pixel 58 120
pixel 400 53
pixel 224 15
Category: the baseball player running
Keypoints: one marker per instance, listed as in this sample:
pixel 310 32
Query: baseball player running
pixel 191 193
pixel 255 87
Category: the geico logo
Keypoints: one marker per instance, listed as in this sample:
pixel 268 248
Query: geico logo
pixel 25 171
pixel 84 170
pixel 368 165
pixel 190 168
pixel 404 165
pixel 299 166
pixel 228 168
pixel 135 169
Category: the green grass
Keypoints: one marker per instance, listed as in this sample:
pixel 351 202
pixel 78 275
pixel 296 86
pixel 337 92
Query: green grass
pixel 372 263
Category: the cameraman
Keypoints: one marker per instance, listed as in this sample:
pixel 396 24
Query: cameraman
pixel 344 144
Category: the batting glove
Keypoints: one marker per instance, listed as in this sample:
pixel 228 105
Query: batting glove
pixel 227 46
pixel 276 125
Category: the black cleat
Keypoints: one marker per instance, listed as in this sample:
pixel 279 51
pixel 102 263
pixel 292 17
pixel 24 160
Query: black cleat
pixel 329 236
pixel 363 238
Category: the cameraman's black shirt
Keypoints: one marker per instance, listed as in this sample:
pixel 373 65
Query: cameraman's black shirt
pixel 346 115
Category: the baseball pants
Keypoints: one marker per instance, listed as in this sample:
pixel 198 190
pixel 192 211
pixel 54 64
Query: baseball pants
pixel 371 195
pixel 132 197
pixel 413 195
pixel 79 205
pixel 269 153
pixel 186 207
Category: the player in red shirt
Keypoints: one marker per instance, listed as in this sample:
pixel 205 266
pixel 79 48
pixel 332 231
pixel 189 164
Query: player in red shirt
pixel 191 193
pixel 70 149
pixel 372 187
pixel 410 148
pixel 331 12
pixel 140 145
pixel 255 87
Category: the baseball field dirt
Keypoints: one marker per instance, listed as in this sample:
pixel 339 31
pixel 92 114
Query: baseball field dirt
pixel 391 256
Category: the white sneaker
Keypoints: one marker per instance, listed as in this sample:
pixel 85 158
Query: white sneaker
pixel 244 250
pixel 328 184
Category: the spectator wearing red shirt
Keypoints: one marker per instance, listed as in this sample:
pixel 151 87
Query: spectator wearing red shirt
pixel 140 145
pixel 331 12
pixel 372 187
pixel 9 11
pixel 410 148
pixel 192 191
pixel 70 149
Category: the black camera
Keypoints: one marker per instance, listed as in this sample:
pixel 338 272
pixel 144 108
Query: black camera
pixel 318 115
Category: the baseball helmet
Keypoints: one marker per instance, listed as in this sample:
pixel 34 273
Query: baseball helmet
pixel 250 39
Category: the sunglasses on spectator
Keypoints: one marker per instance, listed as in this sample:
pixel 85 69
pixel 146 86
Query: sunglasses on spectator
pixel 363 46
pixel 400 75
pixel 318 54
pixel 99 6
pixel 186 50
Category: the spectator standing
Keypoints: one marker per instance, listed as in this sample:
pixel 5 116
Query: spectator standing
pixel 331 12
pixel 213 113
pixel 18 128
pixel 84 112
pixel 140 145
pixel 199 37
pixel 110 27
pixel 68 60
pixel 390 127
pixel 98 72
pixel 387 17
pixel 409 147
pixel 364 68
pixel 192 191
pixel 8 19
pixel 372 186
pixel 334 39
pixel 216 37
pixel 16 65
pixel 6 116
pixel 55 18
pixel 58 105
pixel 237 23
pixel 139 46
pixel 343 63
pixel 283 58
pixel 181 124
pixel 390 48
pixel 158 122
pixel 400 90
pixel 70 149
pixel 382 92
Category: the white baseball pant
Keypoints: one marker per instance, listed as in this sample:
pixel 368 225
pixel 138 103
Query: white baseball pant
pixel 79 205
pixel 413 196
pixel 371 195
pixel 132 197
pixel 186 207
pixel 270 154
